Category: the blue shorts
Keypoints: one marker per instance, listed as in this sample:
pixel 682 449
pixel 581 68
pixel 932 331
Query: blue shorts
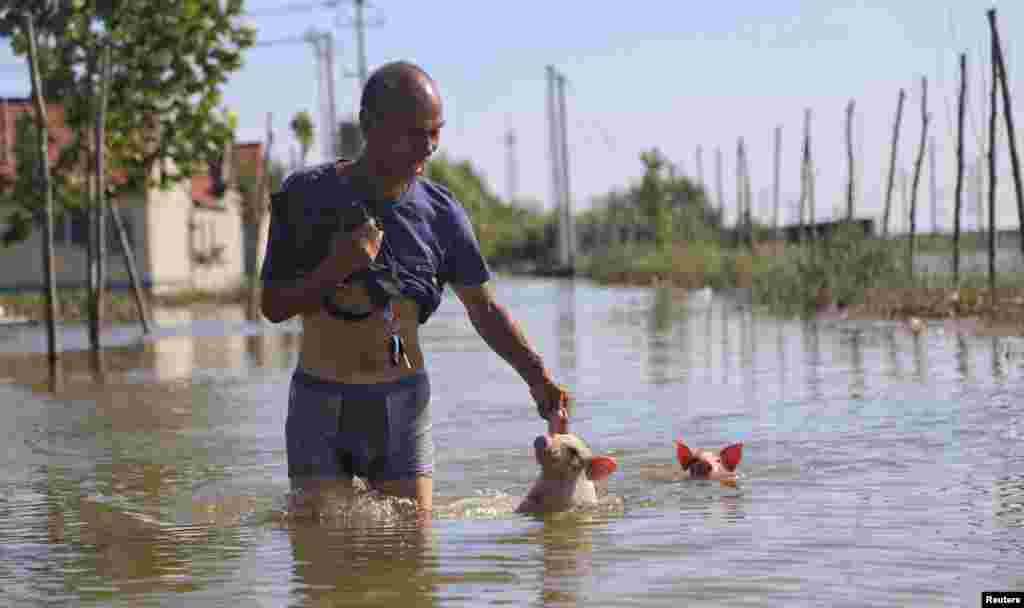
pixel 374 431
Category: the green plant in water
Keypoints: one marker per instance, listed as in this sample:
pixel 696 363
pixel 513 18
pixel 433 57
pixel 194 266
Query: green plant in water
pixel 835 270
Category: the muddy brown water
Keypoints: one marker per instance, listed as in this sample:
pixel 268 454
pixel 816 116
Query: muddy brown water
pixel 880 467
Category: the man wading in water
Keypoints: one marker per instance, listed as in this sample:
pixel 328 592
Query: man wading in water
pixel 361 251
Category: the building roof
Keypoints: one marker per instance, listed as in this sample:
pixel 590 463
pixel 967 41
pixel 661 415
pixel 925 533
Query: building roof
pixel 203 184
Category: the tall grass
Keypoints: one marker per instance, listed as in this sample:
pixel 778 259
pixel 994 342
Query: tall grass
pixel 847 270
pixel 838 271
pixel 691 266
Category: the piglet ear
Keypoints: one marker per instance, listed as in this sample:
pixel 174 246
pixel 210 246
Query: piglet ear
pixel 731 456
pixel 683 453
pixel 600 467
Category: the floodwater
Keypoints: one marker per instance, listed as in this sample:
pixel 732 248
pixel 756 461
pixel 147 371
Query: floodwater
pixel 880 467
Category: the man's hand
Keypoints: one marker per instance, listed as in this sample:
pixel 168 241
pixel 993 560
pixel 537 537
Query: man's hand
pixel 352 251
pixel 552 404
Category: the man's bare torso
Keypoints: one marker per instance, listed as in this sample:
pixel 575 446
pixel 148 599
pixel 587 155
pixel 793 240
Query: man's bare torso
pixel 357 351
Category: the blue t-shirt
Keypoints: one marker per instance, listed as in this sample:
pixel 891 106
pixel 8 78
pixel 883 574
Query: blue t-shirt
pixel 427 231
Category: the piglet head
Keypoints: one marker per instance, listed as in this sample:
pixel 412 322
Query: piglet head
pixel 565 456
pixel 709 464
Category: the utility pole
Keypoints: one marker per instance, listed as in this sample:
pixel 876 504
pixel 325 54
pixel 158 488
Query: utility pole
pixel 775 183
pixel 360 25
pixel 512 166
pixel 700 166
pixel 933 185
pixel 332 118
pixel 323 53
pixel 718 186
pixel 555 151
pixel 570 244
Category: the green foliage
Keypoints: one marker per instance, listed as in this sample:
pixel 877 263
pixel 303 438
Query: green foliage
pixel 169 61
pixel 248 179
pixel 842 267
pixel 20 199
pixel 302 127
pixel 661 209
pixel 46 14
pixel 507 233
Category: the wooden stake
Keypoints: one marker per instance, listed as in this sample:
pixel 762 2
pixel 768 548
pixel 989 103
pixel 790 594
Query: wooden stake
pixel 129 261
pixel 1000 62
pixel 992 181
pixel 44 160
pixel 957 196
pixel 718 186
pixel 849 161
pixel 259 216
pixel 925 118
pixel 892 163
pixel 775 187
pixel 99 205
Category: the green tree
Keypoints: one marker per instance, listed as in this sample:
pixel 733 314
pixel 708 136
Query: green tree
pixel 26 17
pixel 302 127
pixel 168 63
pixel 507 233
pixel 144 81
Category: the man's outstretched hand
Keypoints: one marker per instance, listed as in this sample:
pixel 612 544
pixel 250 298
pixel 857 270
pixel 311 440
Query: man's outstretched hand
pixel 552 404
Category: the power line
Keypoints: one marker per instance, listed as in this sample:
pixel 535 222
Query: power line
pixel 295 7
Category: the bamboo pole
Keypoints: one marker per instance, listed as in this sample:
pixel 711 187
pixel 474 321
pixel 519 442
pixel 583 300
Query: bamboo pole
pixel 44 162
pixel 904 198
pixel 805 174
pixel 748 214
pixel 258 216
pixel 810 175
pixel 700 166
pixel 129 262
pixel 775 187
pixel 1000 62
pixel 719 187
pixel 933 186
pixel 992 182
pixel 892 163
pixel 100 215
pixel 957 196
pixel 739 188
pixel 925 118
pixel 849 161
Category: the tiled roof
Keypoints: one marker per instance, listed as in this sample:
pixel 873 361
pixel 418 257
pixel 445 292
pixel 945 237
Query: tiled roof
pixel 202 184
pixel 10 110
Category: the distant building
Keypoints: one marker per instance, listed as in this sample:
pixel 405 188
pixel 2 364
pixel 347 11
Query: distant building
pixel 189 237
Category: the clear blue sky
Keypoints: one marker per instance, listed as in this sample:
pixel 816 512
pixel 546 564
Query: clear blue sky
pixel 667 74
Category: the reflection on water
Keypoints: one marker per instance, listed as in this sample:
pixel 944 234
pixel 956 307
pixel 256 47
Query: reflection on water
pixel 343 565
pixel 566 331
pixel 878 464
pixel 567 560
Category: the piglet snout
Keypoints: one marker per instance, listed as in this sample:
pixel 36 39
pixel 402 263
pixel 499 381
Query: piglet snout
pixel 700 468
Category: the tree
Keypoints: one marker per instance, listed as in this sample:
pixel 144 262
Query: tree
pixel 507 233
pixel 302 128
pixel 162 67
pixel 22 16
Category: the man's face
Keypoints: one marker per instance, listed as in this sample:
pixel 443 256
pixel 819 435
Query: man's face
pixel 404 138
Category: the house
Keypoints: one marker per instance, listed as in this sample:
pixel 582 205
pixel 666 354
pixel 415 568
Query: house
pixel 192 236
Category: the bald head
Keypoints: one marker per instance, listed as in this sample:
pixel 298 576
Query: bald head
pixel 399 86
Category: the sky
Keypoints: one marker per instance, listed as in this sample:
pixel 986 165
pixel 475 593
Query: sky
pixel 666 74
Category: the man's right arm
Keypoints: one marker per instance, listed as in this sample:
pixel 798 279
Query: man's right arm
pixel 281 302
pixel 283 297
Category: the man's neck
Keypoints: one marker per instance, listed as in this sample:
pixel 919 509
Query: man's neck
pixel 380 186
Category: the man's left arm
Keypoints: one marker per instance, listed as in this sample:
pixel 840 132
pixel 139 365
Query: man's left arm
pixel 506 338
